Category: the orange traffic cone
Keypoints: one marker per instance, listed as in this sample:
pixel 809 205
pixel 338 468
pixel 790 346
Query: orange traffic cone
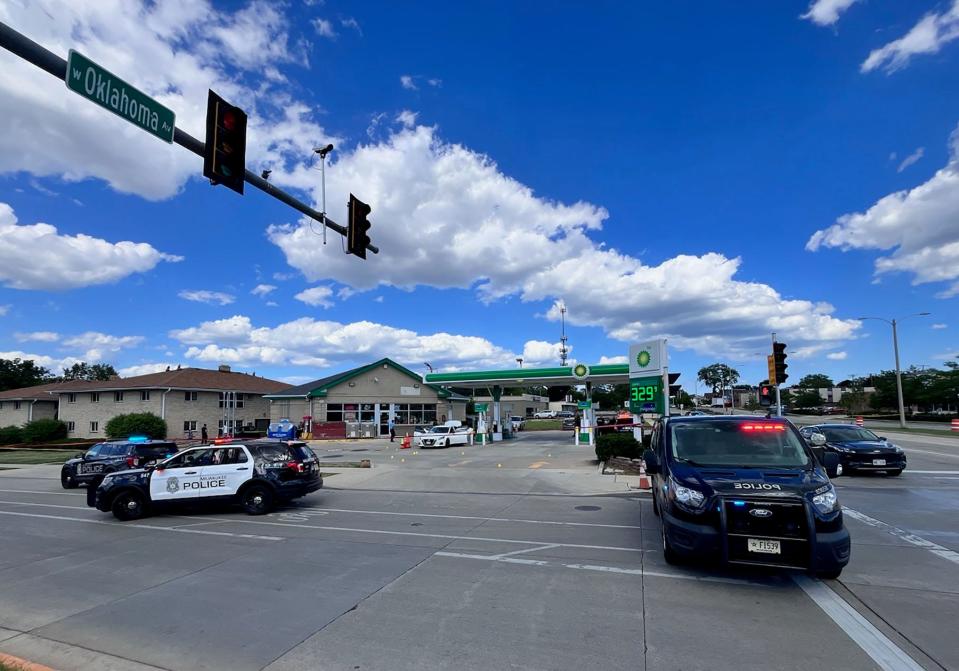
pixel 407 443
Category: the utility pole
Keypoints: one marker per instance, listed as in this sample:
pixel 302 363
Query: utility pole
pixel 895 346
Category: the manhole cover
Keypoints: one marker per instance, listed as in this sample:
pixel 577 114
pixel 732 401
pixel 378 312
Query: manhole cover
pixel 588 508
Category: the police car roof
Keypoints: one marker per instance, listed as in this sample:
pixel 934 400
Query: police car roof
pixel 725 418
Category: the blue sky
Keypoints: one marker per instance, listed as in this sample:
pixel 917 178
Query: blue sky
pixel 705 172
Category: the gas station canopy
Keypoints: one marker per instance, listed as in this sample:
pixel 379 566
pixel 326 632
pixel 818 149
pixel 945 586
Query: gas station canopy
pixel 617 373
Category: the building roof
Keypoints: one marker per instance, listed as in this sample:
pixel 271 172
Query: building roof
pixel 185 378
pixel 320 388
pixel 40 392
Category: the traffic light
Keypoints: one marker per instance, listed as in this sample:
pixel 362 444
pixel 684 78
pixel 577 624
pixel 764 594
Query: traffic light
pixel 779 361
pixel 224 155
pixel 673 387
pixel 357 237
pixel 766 395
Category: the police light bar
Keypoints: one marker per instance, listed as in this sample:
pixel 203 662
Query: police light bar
pixel 138 439
pixel 762 427
pixel 223 440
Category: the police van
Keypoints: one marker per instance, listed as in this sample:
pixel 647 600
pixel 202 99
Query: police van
pixel 256 474
pixel 748 491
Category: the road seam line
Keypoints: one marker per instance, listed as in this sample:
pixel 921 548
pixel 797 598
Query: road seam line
pixel 902 534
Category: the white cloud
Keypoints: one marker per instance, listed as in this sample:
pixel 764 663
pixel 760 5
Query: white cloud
pixel 206 296
pixel 826 12
pixel 621 358
pixel 450 210
pixel 263 289
pixel 939 327
pixel 926 37
pixel 102 341
pixel 539 352
pixel 434 82
pixel 316 296
pixel 174 52
pixel 283 277
pixel 53 364
pixel 315 343
pixel 4 309
pixel 407 118
pixel 837 356
pixel 406 81
pixel 919 224
pixel 38 257
pixel 145 369
pixel 37 336
pixel 378 299
pixel 324 28
pixel 350 22
pixel 345 292
pixel 911 159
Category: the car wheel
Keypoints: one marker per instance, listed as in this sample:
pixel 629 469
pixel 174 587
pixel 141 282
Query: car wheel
pixel 447 444
pixel 257 500
pixel 129 505
pixel 831 574
pixel 66 481
pixel 669 554
pixel 894 473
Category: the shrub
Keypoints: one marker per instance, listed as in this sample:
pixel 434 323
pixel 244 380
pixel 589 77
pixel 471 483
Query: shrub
pixel 43 430
pixel 136 424
pixel 617 445
pixel 10 435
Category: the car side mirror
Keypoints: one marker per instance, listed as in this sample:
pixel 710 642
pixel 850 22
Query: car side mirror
pixel 78 455
pixel 817 440
pixel 652 462
pixel 882 438
pixel 830 461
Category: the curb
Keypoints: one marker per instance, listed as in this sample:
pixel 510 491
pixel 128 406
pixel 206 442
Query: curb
pixel 22 664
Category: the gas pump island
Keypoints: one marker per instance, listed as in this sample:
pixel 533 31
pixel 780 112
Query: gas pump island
pixel 647 374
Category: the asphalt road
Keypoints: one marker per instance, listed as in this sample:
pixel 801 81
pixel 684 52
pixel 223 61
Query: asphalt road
pixel 502 557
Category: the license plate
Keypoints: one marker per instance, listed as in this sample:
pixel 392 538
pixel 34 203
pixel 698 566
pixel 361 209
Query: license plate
pixel 91 468
pixel 878 462
pixel 763 546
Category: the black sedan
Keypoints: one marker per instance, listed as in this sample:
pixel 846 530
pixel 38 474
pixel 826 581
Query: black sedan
pixel 860 449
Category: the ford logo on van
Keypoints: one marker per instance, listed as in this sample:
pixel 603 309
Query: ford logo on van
pixel 761 512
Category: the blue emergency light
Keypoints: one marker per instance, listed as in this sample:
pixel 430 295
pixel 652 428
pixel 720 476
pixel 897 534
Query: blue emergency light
pixel 138 439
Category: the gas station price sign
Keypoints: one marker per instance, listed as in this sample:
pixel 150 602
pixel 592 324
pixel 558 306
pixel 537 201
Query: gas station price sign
pixel 646 395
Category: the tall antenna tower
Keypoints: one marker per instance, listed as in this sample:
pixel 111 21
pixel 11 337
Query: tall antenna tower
pixel 563 349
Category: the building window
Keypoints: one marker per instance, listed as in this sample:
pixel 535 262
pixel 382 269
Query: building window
pixel 94 427
pixel 16 405
pixel 71 426
pixel 190 396
pixel 231 400
pixel 118 397
pixel 190 424
pixel 94 397
pixel 415 413
pixel 71 398
pixel 145 395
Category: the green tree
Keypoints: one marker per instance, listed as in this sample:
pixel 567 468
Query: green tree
pixel 808 398
pixel 683 399
pixel 815 381
pixel 136 424
pixel 17 373
pixel 718 376
pixel 610 396
pixel 89 372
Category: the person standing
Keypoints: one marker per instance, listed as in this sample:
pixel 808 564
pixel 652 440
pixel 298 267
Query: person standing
pixel 392 427
pixel 203 434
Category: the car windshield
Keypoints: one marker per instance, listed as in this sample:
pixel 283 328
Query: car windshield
pixel 440 429
pixel 841 434
pixel 738 443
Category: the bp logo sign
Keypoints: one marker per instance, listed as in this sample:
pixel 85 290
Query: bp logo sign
pixel 173 485
pixel 581 371
pixel 643 358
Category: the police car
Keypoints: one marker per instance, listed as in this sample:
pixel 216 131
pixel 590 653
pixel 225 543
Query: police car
pixel 111 456
pixel 747 491
pixel 256 474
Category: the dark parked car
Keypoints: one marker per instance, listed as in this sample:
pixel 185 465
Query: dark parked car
pixel 256 474
pixel 859 449
pixel 569 423
pixel 112 456
pixel 746 490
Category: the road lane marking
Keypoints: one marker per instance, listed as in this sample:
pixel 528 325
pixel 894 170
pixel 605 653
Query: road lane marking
pixel 30 491
pixel 132 525
pixel 538 464
pixel 902 534
pixel 935 454
pixel 601 568
pixel 470 517
pixel 933 472
pixel 519 552
pixel 888 655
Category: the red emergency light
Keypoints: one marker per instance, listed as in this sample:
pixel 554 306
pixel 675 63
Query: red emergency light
pixel 763 427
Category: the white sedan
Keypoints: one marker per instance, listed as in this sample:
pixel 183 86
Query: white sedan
pixel 443 436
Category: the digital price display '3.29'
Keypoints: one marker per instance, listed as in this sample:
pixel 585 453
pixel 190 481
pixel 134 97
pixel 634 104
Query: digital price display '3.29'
pixel 646 395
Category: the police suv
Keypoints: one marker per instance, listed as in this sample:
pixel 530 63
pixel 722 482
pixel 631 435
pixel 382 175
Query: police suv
pixel 111 456
pixel 748 491
pixel 256 474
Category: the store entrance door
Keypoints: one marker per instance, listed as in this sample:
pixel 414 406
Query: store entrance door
pixel 384 420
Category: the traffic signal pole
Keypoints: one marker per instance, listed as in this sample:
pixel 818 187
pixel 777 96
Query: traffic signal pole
pixel 22 46
pixel 779 402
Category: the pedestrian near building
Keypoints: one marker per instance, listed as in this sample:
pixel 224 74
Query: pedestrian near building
pixel 392 427
pixel 203 434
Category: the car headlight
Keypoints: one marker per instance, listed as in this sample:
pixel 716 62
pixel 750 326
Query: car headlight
pixel 896 448
pixel 843 449
pixel 686 497
pixel 826 500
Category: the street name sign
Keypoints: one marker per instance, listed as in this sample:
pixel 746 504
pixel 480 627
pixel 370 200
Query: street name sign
pixel 584 405
pixel 101 86
pixel 481 407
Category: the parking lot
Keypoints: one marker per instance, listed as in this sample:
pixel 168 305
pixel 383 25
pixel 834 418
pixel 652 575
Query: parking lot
pixel 512 556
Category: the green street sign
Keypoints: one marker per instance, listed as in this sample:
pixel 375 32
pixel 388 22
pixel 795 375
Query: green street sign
pixel 481 407
pixel 110 92
pixel 646 395
pixel 583 405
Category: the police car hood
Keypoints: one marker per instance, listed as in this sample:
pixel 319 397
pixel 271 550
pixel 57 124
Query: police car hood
pixel 733 481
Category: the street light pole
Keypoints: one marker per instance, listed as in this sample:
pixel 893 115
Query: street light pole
pixel 895 347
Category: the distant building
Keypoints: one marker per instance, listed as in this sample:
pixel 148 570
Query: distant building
pixel 19 406
pixel 364 399
pixel 523 405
